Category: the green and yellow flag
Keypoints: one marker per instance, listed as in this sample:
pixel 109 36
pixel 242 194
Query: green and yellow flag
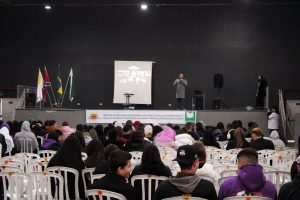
pixel 59 86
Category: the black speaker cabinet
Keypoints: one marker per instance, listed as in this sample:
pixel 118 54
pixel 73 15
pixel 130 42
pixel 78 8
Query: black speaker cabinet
pixel 218 80
pixel 30 100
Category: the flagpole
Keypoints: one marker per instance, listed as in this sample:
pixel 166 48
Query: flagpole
pixel 51 89
pixel 49 100
pixel 62 100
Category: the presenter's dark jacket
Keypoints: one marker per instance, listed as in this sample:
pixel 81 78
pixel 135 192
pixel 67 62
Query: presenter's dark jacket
pixel 115 183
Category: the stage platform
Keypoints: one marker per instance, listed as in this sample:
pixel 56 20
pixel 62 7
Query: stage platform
pixel 210 117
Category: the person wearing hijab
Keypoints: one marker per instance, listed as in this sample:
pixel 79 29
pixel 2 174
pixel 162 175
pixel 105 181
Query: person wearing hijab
pixel 69 155
pixel 27 134
pixel 4 130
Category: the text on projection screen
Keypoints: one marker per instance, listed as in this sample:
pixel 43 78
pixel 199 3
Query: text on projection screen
pixel 133 77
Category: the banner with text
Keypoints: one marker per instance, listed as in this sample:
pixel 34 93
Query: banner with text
pixel 145 116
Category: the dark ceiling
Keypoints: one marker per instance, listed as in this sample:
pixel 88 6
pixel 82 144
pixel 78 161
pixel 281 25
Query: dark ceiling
pixel 137 2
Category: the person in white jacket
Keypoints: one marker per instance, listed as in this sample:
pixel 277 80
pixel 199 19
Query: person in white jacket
pixel 205 170
pixel 274 137
pixel 273 118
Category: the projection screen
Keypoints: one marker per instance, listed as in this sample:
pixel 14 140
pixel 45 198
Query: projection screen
pixel 133 77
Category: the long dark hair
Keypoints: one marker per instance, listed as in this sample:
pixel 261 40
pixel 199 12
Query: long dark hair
pixel 151 161
pixel 95 153
pixel 69 154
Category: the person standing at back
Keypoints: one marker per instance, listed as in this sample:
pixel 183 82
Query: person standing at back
pixel 180 84
pixel 273 118
pixel 261 92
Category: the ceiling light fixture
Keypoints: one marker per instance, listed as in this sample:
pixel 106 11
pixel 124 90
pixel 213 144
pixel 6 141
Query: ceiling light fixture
pixel 144 6
pixel 47 7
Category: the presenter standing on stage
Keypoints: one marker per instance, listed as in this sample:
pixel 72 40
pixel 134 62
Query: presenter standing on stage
pixel 180 84
pixel 261 92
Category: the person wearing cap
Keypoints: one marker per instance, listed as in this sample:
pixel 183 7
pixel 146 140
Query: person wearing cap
pixel 250 180
pixel 258 142
pixel 291 190
pixel 186 182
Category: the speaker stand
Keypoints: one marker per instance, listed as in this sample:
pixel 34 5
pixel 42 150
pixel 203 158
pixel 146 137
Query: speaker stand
pixel 222 104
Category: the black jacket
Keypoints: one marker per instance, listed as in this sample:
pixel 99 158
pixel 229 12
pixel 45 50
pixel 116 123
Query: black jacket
pixel 115 183
pixel 4 145
pixel 232 144
pixel 261 144
pixel 204 189
pixel 102 168
pixel 291 190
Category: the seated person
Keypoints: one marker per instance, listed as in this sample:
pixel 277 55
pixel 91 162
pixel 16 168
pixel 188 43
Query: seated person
pixel 250 180
pixel 291 190
pixel 119 163
pixel 205 169
pixel 258 142
pixel 186 182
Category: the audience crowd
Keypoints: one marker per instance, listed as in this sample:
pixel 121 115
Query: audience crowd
pixel 109 150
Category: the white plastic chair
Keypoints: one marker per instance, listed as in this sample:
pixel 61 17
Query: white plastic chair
pixel 40 140
pixel 278 178
pixel 24 145
pixel 47 186
pixel 229 173
pixel 147 179
pixel 0 150
pixel 46 154
pixel 98 194
pixel 7 168
pixel 13 162
pixel 247 198
pixel 208 178
pixel 96 177
pixel 86 175
pixel 225 167
pixel 15 185
pixel 83 156
pixel 184 197
pixel 27 157
pixel 65 171
pixel 37 167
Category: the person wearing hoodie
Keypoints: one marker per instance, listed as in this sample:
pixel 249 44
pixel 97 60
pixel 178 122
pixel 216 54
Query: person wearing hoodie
pixel 27 134
pixel 52 141
pixel 250 181
pixel 8 144
pixel 66 129
pixel 291 190
pixel 165 137
pixel 186 182
pixel 274 137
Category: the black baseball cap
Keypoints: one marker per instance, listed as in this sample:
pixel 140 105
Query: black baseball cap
pixel 186 154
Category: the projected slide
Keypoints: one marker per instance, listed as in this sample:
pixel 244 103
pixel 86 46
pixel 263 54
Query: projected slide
pixel 133 77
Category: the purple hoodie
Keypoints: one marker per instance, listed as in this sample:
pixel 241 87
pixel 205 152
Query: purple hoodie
pixel 250 180
pixel 48 143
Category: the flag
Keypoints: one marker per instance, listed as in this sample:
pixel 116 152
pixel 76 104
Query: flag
pixel 40 85
pixel 71 91
pixel 47 83
pixel 59 86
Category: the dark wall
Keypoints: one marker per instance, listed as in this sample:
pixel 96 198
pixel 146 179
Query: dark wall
pixel 237 41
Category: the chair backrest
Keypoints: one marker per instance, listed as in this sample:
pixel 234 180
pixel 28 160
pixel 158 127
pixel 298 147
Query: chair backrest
pixel 229 173
pixel 247 198
pixel 86 175
pixel 47 186
pixel 184 197
pixel 209 178
pixel 8 168
pixel 221 168
pixel 40 140
pixel 15 185
pixel 65 172
pixel 97 194
pixel 83 156
pixel 37 167
pixel 13 162
pixel 27 157
pixel 24 145
pixel 46 154
pixel 0 150
pixel 96 177
pixel 149 180
pixel 278 178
